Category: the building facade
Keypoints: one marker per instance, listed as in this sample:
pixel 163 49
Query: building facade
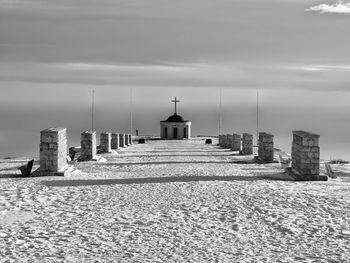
pixel 175 127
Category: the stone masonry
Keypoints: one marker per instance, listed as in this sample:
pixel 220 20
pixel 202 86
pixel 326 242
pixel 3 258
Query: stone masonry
pixel 229 140
pixel 306 154
pixel 53 150
pixel 223 140
pixel 247 144
pixel 122 140
pixel 106 142
pixel 127 139
pixel 115 141
pixel 236 142
pixel 88 146
pixel 265 150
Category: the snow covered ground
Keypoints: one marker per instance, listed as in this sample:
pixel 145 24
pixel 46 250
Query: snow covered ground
pixel 173 201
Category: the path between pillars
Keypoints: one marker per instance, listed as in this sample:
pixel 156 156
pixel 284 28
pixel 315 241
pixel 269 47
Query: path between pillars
pixel 175 158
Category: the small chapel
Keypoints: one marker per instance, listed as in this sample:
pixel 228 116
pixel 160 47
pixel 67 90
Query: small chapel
pixel 175 127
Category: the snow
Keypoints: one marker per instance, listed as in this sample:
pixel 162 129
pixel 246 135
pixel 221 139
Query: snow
pixel 174 201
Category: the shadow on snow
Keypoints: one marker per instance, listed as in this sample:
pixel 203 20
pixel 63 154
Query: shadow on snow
pixel 149 180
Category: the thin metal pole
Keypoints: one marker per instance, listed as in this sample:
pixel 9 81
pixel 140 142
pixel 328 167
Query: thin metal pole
pixel 220 109
pixel 257 117
pixel 131 112
pixel 92 110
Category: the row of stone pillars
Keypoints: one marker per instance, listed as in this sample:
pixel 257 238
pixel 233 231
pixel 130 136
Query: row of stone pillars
pixel 236 142
pixel 53 148
pixel 108 141
pixel 305 151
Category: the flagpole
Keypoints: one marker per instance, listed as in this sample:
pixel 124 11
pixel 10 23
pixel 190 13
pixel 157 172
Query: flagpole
pixel 257 117
pixel 220 109
pixel 131 112
pixel 92 109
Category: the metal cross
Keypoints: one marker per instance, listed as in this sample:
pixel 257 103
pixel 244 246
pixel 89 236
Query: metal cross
pixel 175 101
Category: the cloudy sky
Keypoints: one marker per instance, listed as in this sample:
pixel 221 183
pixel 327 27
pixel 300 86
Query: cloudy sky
pixel 53 53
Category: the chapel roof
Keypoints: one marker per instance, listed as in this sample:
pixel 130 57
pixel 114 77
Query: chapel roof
pixel 175 118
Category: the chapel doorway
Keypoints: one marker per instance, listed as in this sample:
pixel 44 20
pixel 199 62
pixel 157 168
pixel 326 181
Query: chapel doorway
pixel 175 133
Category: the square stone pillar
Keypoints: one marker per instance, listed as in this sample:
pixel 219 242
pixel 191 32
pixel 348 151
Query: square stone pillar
pixel 224 140
pixel 236 142
pixel 229 141
pixel 130 139
pixel 306 154
pixel 53 150
pixel 88 146
pixel 127 139
pixel 122 140
pixel 115 141
pixel 106 142
pixel 247 144
pixel 265 150
pixel 220 140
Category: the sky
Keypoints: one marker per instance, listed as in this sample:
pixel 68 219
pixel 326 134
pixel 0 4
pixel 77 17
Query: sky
pixel 295 53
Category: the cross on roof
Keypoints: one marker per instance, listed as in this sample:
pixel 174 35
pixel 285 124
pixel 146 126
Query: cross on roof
pixel 175 101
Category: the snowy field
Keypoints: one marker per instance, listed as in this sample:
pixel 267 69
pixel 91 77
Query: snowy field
pixel 174 201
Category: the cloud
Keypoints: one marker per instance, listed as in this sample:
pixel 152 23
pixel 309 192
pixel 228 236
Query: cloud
pixel 179 74
pixel 338 8
pixel 316 68
pixel 165 66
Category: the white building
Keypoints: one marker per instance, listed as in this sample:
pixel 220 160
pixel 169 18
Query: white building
pixel 175 127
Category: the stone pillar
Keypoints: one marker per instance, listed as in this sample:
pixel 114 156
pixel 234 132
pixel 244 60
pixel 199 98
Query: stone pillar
pixel 306 154
pixel 126 139
pixel 106 142
pixel 247 144
pixel 53 150
pixel 265 150
pixel 236 142
pixel 88 146
pixel 122 140
pixel 224 140
pixel 115 141
pixel 229 141
pixel 130 139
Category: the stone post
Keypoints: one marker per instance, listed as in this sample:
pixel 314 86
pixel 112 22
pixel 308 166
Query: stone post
pixel 122 140
pixel 265 150
pixel 53 151
pixel 127 139
pixel 247 144
pixel 224 140
pixel 115 141
pixel 106 142
pixel 229 141
pixel 236 142
pixel 130 139
pixel 306 154
pixel 88 146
